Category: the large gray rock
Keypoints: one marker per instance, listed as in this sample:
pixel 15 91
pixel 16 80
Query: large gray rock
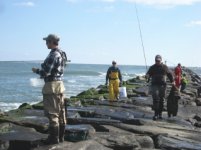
pixel 143 91
pixel 128 140
pixel 76 133
pixel 142 101
pixel 22 138
pixel 177 143
pixel 117 140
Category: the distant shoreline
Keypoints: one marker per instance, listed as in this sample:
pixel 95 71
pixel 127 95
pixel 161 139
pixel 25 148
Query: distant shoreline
pixel 191 67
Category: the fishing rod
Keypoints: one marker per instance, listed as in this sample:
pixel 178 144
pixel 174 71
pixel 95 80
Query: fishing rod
pixel 139 25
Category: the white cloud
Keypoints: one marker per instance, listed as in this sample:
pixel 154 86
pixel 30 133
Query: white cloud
pixel 164 3
pixel 26 4
pixel 194 23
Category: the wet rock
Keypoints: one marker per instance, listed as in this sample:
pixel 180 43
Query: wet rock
pixel 142 101
pixel 92 121
pixel 122 111
pixel 134 140
pixel 38 106
pixel 73 114
pixel 28 118
pixel 117 141
pixel 76 133
pixel 91 91
pixel 143 91
pixel 130 95
pixel 146 142
pixel 25 106
pixel 4 128
pixel 198 124
pixel 176 142
pixel 102 89
pixel 83 112
pixel 192 121
pixel 188 111
pixel 22 138
pixel 198 101
pixel 163 128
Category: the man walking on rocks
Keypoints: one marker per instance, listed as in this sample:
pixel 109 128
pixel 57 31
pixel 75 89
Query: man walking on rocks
pixel 157 73
pixel 53 98
pixel 115 80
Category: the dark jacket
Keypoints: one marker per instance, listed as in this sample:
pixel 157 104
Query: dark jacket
pixel 158 74
pixel 113 69
pixel 52 68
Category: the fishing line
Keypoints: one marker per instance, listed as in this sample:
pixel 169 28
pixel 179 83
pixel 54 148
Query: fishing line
pixel 139 25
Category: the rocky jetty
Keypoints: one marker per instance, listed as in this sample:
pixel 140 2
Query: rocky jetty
pixel 94 123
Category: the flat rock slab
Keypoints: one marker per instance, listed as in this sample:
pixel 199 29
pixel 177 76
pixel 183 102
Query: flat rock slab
pixel 143 91
pixel 117 141
pixel 21 134
pixel 121 111
pixel 22 138
pixel 142 101
pixel 164 142
pixel 126 141
pixel 163 128
pixel 76 133
pixel 188 111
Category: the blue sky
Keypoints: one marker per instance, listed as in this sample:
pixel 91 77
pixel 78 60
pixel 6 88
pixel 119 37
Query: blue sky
pixel 99 31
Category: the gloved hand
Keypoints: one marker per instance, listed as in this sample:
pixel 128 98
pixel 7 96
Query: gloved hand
pixel 34 70
pixel 147 77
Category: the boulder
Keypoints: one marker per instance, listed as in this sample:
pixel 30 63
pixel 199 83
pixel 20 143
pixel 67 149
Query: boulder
pixel 176 142
pixel 142 101
pixel 76 133
pixel 143 91
pixel 22 138
pixel 134 140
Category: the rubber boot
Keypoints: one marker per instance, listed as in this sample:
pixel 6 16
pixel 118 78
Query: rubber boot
pixel 160 115
pixel 53 137
pixel 61 133
pixel 155 117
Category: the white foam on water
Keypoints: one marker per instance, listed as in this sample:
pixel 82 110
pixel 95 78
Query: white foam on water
pixel 140 74
pixel 36 82
pixel 72 81
pixel 9 106
pixel 102 74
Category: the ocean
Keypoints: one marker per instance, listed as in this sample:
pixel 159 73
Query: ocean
pixel 19 85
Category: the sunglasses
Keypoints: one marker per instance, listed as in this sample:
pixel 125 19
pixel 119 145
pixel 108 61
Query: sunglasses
pixel 48 41
pixel 158 60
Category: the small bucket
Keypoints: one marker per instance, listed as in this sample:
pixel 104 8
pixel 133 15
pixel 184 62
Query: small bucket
pixel 122 92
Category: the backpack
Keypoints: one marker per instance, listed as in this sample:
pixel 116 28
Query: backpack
pixel 64 57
